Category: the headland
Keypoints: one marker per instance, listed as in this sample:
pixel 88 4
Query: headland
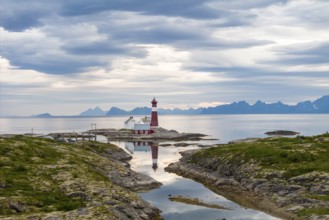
pixel 286 177
pixel 46 179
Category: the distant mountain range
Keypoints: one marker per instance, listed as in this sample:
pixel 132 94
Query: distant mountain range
pixel 319 106
pixel 43 115
pixel 93 112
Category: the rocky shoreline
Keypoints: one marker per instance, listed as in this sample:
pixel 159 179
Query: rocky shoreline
pixel 255 184
pixel 45 179
pixel 159 135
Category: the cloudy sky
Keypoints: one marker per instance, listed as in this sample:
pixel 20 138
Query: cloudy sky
pixel 63 57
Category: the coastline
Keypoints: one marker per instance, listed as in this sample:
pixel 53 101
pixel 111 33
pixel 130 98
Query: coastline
pixel 228 188
pixel 258 184
pixel 45 179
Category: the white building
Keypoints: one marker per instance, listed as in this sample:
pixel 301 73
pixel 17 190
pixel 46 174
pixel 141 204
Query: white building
pixel 130 123
pixel 140 127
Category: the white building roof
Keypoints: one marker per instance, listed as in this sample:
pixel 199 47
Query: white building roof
pixel 141 127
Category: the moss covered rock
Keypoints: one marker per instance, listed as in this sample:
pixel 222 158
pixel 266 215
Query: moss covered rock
pixel 289 175
pixel 41 178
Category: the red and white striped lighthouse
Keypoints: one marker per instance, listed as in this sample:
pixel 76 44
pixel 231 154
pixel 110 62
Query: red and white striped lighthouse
pixel 154 115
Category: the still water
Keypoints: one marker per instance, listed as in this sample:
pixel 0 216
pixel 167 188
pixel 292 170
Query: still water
pixel 221 127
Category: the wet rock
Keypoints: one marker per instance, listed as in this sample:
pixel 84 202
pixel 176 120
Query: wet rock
pixel 120 155
pixel 134 181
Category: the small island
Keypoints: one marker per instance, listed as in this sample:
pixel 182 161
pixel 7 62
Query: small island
pixel 282 133
pixel 159 134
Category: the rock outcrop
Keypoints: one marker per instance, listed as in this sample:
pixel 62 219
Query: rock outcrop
pixel 159 135
pixel 45 179
pixel 294 186
pixel 282 133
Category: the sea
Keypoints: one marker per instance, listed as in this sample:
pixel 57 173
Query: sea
pixel 218 128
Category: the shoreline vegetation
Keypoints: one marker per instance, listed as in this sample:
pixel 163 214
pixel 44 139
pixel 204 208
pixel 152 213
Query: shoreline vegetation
pixel 285 177
pixel 45 179
pixel 42 178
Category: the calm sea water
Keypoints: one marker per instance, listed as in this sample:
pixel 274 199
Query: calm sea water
pixel 221 127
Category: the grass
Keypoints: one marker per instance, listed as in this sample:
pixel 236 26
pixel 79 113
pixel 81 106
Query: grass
pixel 289 156
pixel 40 175
pixel 295 156
pixel 27 163
pixel 22 160
pixel 310 211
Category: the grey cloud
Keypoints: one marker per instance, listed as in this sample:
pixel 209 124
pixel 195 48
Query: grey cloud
pixel 220 43
pixel 163 34
pixel 243 4
pixel 20 15
pixel 180 35
pixel 24 21
pixel 52 64
pixel 292 56
pixel 184 8
pixel 104 48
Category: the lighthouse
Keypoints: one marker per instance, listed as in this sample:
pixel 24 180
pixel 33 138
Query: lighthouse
pixel 154 115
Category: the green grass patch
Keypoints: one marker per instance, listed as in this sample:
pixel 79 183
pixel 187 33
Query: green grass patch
pixel 26 164
pixel 310 211
pixel 54 201
pixel 296 156
pixel 97 147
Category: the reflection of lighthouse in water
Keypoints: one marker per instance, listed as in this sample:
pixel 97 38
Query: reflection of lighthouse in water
pixel 154 150
pixel 139 146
